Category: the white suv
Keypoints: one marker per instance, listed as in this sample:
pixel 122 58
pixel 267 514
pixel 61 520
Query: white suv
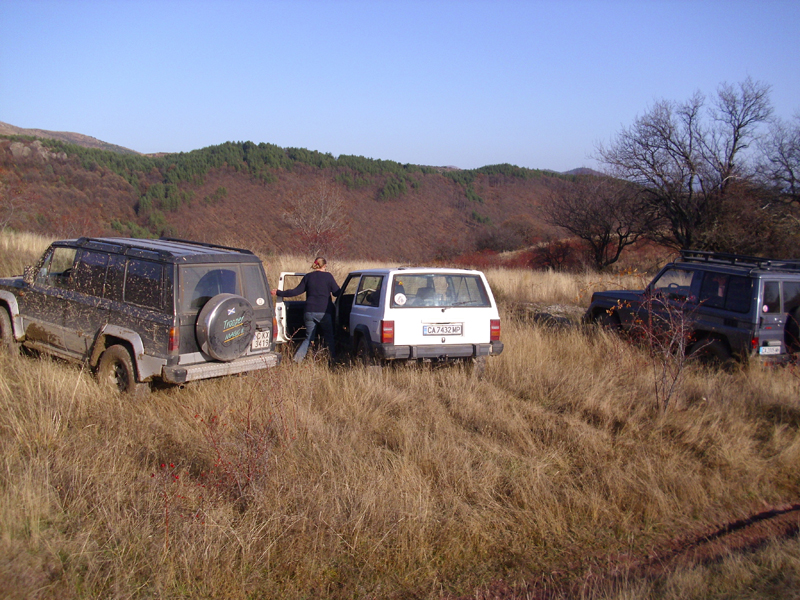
pixel 408 314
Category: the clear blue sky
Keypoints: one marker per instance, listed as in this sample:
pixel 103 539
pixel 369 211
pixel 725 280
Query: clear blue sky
pixel 436 82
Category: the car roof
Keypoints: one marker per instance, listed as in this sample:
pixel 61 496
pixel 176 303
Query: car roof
pixel 737 263
pixel 165 249
pixel 415 271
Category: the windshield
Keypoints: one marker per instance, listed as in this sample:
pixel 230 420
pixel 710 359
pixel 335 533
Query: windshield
pixel 438 289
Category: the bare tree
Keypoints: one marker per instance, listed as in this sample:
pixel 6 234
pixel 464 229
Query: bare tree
pixel 607 214
pixel 319 218
pixel 780 167
pixel 685 155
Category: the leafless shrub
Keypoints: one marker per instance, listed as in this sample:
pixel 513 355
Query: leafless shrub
pixel 666 331
pixel 319 219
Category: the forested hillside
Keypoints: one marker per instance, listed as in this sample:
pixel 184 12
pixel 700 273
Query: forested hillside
pixel 271 199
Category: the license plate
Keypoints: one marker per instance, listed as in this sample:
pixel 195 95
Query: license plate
pixel 442 329
pixel 769 350
pixel 260 341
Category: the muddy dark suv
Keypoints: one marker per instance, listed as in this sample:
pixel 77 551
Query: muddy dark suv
pixel 733 306
pixel 143 310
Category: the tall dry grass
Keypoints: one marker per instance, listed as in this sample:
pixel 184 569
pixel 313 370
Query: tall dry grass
pixel 311 482
pixel 508 285
pixel 18 250
pixel 554 287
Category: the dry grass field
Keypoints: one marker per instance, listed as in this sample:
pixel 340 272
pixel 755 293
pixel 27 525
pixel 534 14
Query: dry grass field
pixel 554 476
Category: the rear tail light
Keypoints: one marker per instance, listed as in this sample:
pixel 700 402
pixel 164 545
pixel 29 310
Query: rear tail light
pixel 387 332
pixel 754 342
pixel 174 339
pixel 494 330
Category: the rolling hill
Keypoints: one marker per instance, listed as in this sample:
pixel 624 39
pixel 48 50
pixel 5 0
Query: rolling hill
pixel 267 198
pixel 65 136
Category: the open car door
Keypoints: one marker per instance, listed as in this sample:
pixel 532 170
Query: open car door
pixel 289 311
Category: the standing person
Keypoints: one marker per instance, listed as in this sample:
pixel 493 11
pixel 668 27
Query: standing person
pixel 319 286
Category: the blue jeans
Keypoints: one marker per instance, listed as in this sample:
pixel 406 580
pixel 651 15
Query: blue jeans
pixel 314 321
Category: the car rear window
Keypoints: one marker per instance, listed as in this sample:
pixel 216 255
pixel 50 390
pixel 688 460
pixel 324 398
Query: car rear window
pixel 199 283
pixel 437 289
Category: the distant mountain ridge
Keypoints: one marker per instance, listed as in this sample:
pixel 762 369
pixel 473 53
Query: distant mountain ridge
pixel 65 136
pixel 584 171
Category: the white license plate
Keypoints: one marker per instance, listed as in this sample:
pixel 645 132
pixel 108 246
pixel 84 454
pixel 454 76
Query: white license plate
pixel 260 341
pixel 769 350
pixel 442 329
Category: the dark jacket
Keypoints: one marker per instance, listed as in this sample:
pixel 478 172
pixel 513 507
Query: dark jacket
pixel 318 287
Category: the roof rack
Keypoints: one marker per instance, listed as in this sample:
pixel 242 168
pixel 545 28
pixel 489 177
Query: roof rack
pixel 148 248
pixel 125 246
pixel 740 260
pixel 205 244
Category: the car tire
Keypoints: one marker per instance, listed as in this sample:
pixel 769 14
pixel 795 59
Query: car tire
pixel 8 344
pixel 792 335
pixel 225 327
pixel 116 369
pixel 711 352
pixel 608 321
pixel 364 354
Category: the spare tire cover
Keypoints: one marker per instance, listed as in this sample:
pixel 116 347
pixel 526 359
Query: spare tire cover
pixel 225 327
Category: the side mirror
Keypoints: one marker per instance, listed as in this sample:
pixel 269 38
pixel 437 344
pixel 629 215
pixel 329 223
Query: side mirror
pixel 28 275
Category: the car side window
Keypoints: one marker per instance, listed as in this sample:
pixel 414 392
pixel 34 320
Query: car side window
pixel 674 283
pixel 713 290
pixel 143 283
pixel 56 268
pixel 728 292
pixel 115 277
pixel 369 292
pixel 791 295
pixel 90 272
pixel 772 298
pixel 351 286
pixel 740 293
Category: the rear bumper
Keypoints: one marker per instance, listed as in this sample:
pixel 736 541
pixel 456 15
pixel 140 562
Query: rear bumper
pixel 207 370
pixel 392 352
pixel 775 359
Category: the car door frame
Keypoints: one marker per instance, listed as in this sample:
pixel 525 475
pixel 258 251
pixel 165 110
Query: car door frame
pixel 44 307
pixel 282 309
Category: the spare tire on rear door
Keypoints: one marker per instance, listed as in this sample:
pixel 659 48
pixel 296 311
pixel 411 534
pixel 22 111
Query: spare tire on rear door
pixel 225 327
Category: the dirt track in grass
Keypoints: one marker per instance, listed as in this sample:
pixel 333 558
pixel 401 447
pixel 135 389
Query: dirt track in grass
pixel 747 534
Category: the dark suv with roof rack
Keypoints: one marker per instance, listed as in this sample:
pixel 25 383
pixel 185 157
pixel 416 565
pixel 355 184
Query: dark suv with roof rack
pixel 141 310
pixel 735 306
